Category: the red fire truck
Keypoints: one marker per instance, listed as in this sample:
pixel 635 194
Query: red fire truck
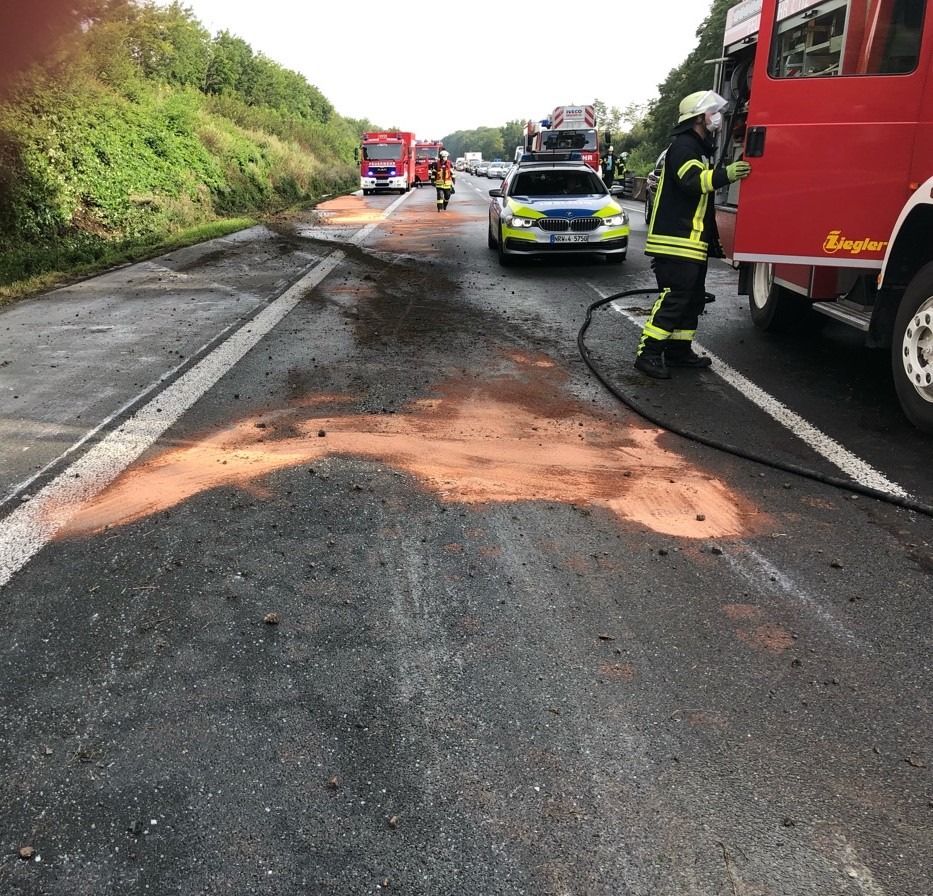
pixel 425 153
pixel 387 161
pixel 567 128
pixel 832 103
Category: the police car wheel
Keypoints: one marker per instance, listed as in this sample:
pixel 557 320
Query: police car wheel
pixel 912 350
pixel 490 240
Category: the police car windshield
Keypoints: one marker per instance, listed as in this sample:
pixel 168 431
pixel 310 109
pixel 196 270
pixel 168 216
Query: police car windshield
pixel 557 182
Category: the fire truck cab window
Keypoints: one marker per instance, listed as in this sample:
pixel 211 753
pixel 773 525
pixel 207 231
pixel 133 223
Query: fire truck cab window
pixel 379 152
pixel 848 37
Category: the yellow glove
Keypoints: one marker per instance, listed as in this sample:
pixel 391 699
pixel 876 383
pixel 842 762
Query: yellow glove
pixel 738 170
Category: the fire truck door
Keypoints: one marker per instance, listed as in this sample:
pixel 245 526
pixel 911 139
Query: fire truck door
pixel 832 118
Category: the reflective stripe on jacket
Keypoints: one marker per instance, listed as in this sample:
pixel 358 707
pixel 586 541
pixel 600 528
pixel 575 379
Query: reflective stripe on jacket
pixel 444 176
pixel 683 220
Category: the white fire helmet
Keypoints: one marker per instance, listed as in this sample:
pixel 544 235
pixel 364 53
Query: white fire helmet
pixel 700 103
pixel 444 154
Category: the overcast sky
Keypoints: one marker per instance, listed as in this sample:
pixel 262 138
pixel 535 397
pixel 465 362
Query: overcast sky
pixel 437 68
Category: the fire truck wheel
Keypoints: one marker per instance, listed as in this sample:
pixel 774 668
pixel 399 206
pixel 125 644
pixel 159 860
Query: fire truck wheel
pixel 912 350
pixel 773 307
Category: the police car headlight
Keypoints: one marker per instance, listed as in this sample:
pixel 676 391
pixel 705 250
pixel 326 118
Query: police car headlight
pixel 517 221
pixel 619 220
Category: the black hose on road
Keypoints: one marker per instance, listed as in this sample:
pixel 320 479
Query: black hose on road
pixel 906 502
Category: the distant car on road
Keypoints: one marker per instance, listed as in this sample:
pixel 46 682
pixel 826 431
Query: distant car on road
pixel 482 169
pixel 498 169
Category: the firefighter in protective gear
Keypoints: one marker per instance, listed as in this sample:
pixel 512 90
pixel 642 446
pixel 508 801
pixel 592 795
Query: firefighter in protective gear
pixel 609 168
pixel 682 234
pixel 621 161
pixel 443 179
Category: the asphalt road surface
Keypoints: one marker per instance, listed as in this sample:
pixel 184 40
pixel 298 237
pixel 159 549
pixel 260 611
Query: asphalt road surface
pixel 329 567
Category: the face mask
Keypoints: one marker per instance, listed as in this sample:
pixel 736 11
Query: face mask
pixel 714 121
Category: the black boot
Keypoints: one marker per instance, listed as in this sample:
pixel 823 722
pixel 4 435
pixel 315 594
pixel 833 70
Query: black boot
pixel 652 365
pixel 685 356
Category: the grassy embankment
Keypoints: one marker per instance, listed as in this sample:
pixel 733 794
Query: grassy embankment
pixel 126 145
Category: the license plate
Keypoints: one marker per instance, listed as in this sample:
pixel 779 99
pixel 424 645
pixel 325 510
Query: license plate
pixel 569 238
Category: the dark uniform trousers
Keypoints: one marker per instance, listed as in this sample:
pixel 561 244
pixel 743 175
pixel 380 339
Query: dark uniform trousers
pixel 676 313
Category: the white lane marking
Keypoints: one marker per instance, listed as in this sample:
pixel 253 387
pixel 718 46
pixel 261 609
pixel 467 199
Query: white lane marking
pixel 33 524
pixel 853 466
pixel 361 235
pixel 25 483
pixel 21 486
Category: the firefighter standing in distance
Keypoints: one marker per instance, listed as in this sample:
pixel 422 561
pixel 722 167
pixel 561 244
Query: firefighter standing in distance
pixel 609 168
pixel 443 179
pixel 682 234
pixel 621 169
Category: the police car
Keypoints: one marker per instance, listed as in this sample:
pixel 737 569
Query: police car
pixel 555 204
